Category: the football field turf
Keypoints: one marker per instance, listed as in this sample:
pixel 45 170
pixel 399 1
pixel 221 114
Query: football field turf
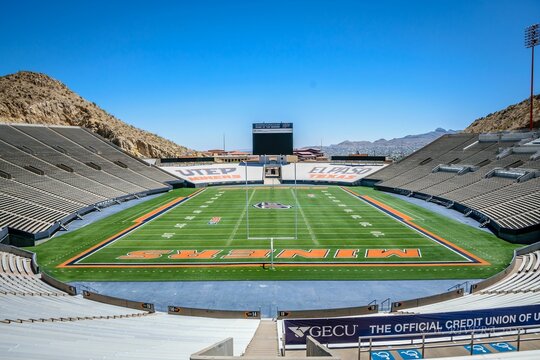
pixel 317 232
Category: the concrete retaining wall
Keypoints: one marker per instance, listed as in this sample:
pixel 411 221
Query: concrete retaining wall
pixel 118 302
pixel 338 312
pixel 71 290
pixel 406 304
pixel 223 350
pixel 219 314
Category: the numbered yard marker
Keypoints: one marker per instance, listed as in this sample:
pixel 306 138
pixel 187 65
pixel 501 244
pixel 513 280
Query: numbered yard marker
pixel 167 235
pixel 347 210
pixel 377 233
pixel 189 217
pixel 356 216
pixel 365 224
pixel 196 211
pixel 179 226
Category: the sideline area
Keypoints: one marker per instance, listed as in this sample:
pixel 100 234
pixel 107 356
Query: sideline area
pixel 269 296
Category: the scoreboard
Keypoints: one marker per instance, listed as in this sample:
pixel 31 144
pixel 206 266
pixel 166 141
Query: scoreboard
pixel 272 139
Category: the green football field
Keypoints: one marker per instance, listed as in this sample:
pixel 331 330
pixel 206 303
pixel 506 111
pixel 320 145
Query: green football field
pixel 309 232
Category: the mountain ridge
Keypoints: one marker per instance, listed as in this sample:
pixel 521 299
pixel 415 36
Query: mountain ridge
pixel 513 117
pixel 431 135
pixel 36 98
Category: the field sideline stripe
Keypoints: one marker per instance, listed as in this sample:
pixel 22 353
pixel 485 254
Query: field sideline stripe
pixel 409 221
pixel 260 263
pixel 141 220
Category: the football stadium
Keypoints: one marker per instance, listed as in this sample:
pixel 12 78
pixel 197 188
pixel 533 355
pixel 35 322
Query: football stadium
pixel 116 243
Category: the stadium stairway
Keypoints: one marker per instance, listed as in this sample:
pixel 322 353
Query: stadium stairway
pixel 265 340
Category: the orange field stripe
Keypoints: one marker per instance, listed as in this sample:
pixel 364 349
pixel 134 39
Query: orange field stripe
pixel 388 208
pixel 407 219
pixel 137 223
pixel 217 265
pixel 451 244
pixel 155 211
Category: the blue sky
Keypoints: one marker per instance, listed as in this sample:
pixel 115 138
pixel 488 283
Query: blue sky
pixel 358 70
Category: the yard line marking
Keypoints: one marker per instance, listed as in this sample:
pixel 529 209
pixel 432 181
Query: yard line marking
pixel 138 223
pixel 237 225
pixel 408 221
pixel 310 230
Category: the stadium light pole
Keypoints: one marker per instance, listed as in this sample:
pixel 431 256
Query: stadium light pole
pixel 532 38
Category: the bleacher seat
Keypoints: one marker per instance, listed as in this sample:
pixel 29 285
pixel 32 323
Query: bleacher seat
pixel 504 200
pixel 48 174
pixel 39 321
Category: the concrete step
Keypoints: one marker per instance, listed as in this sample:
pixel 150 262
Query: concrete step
pixel 265 340
pixel 272 181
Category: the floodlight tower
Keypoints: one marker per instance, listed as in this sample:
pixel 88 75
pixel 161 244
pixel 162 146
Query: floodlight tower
pixel 532 38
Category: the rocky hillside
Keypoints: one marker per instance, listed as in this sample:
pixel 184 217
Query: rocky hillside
pixel 513 117
pixel 33 98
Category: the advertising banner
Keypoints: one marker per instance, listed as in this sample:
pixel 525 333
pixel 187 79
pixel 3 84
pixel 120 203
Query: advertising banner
pixel 348 330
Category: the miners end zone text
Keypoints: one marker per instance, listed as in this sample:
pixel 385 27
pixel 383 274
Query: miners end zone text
pixel 292 255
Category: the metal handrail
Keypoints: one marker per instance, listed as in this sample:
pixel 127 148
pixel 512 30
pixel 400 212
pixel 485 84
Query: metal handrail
pixel 471 340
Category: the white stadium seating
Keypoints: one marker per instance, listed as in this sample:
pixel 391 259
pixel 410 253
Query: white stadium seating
pixel 39 321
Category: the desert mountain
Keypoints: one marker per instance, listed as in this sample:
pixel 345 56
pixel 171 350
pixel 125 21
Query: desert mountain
pixel 395 148
pixel 514 117
pixel 409 140
pixel 34 98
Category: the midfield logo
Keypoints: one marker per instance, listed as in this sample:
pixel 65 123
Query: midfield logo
pixel 271 205
pixel 214 220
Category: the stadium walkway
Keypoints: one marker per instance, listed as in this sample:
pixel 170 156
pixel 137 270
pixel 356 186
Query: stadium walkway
pixel 98 215
pixel 265 340
pixel 268 296
pixel 452 214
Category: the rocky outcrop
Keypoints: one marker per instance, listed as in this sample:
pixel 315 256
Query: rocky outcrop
pixel 514 117
pixel 34 98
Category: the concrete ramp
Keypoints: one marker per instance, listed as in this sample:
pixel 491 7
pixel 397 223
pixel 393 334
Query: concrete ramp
pixel 265 341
